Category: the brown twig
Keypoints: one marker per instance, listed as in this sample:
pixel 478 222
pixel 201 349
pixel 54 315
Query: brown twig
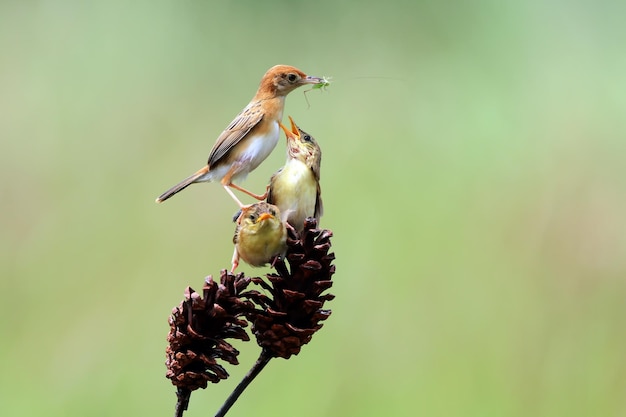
pixel 183 395
pixel 258 366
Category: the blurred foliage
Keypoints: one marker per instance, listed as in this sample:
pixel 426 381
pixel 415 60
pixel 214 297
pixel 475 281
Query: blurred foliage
pixel 473 174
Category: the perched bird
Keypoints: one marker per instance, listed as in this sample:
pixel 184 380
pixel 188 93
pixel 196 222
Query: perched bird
pixel 251 137
pixel 260 235
pixel 295 188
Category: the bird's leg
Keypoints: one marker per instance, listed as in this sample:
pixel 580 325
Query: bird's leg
pixel 251 194
pixel 230 192
pixel 267 191
pixel 274 260
pixel 227 183
pixel 235 261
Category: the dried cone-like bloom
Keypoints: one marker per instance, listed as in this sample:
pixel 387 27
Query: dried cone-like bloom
pixel 292 311
pixel 199 328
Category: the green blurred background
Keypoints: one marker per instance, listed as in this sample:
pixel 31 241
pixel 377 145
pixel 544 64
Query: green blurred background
pixel 474 176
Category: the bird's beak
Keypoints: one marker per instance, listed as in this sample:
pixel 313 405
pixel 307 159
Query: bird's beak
pixel 287 132
pixel 312 80
pixel 264 216
pixel 294 128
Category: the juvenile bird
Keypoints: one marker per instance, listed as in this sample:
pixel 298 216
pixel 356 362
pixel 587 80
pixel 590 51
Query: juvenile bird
pixel 251 137
pixel 295 188
pixel 260 235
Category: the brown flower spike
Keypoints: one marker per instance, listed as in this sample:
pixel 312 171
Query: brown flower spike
pixel 288 317
pixel 284 316
pixel 199 328
pixel 292 311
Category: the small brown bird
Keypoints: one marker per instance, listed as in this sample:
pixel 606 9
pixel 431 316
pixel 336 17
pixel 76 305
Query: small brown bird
pixel 295 188
pixel 251 137
pixel 260 235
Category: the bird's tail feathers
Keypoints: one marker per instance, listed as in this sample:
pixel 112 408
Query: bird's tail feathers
pixel 182 185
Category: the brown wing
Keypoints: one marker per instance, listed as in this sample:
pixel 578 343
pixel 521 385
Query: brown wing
pixel 316 167
pixel 237 130
pixel 269 198
pixel 319 207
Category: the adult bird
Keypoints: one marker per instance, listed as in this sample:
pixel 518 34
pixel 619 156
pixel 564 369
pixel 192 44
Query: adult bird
pixel 251 136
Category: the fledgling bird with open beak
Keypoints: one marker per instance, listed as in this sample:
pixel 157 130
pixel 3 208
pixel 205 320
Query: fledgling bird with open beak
pixel 260 235
pixel 251 136
pixel 295 188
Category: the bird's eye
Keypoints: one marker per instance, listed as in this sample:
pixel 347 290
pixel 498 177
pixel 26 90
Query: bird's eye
pixel 273 212
pixel 292 78
pixel 307 138
pixel 252 217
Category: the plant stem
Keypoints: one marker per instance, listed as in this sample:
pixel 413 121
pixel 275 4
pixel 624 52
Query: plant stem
pixel 183 395
pixel 258 366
